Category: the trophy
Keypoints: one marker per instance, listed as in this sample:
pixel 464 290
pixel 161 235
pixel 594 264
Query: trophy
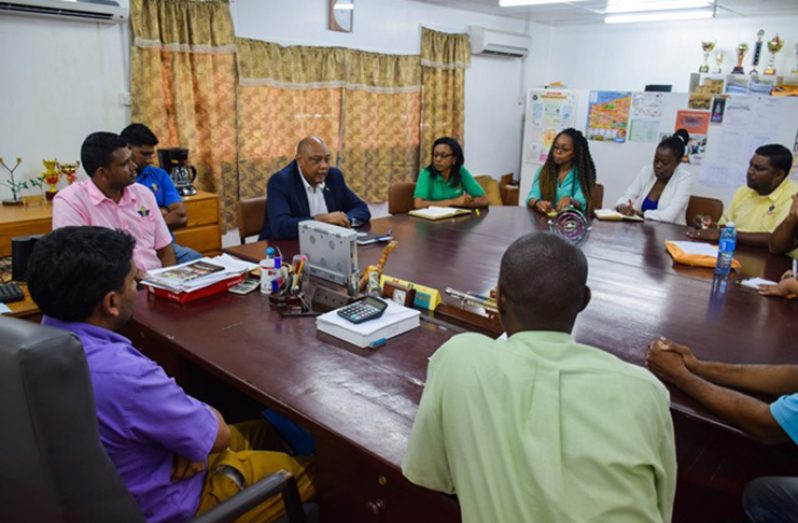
pixel 795 69
pixel 68 170
pixel 757 51
pixel 774 46
pixel 741 50
pixel 51 176
pixel 719 61
pixel 707 47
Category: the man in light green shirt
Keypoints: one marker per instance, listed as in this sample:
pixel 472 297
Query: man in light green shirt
pixel 538 427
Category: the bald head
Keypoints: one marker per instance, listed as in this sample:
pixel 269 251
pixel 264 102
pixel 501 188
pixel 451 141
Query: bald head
pixel 542 284
pixel 309 142
pixel 313 159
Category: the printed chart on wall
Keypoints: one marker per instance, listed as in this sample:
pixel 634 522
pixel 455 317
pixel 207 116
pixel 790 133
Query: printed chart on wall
pixel 608 115
pixel 549 112
pixel 697 124
pixel 645 117
pixel 748 122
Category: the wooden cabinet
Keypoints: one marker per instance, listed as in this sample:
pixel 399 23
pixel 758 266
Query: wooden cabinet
pixel 202 233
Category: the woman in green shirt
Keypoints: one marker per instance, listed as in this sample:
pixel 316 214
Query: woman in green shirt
pixel 445 182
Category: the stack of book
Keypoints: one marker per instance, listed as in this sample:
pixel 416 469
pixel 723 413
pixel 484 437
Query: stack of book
pixel 197 279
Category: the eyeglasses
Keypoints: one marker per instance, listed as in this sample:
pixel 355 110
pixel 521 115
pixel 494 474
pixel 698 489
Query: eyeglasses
pixel 442 156
pixel 562 149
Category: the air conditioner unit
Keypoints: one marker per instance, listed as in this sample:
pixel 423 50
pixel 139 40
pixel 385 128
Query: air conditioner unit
pixel 489 41
pixel 103 11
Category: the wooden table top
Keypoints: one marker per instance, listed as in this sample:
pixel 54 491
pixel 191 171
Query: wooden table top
pixel 370 397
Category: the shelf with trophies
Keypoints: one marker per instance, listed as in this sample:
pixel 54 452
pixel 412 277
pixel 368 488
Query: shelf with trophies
pixel 738 80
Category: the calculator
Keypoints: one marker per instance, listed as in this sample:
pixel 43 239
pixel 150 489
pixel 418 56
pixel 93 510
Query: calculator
pixel 364 309
pixel 10 292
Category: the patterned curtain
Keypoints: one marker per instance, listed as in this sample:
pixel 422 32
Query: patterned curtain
pixel 444 58
pixel 284 94
pixel 381 114
pixel 183 79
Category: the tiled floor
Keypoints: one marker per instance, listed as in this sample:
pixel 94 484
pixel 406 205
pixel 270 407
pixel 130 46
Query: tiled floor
pixel 378 210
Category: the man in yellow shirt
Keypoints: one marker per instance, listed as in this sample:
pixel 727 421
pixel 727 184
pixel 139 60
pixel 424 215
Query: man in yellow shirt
pixel 759 207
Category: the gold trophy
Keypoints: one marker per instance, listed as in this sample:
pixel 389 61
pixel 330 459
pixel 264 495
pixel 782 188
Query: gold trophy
pixel 68 170
pixel 51 177
pixel 757 51
pixel 707 47
pixel 774 46
pixel 742 49
pixel 719 61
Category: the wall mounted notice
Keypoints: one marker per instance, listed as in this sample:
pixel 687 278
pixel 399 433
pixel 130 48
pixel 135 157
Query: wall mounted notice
pixel 646 114
pixel 549 112
pixel 608 115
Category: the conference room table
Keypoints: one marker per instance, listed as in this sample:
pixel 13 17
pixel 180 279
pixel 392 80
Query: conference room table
pixel 360 403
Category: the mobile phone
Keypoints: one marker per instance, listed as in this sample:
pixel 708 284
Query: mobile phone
pixel 244 287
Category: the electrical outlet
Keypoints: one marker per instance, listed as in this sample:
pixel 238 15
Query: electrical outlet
pixel 124 99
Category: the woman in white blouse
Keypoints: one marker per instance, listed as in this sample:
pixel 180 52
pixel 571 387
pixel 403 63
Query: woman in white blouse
pixel 662 190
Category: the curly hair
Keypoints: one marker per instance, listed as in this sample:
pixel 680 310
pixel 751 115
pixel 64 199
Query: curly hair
pixel 583 164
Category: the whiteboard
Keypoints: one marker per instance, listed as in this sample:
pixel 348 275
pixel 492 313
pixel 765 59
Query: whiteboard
pixel 729 145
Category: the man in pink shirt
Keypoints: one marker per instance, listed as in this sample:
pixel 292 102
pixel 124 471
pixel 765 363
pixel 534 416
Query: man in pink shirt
pixel 112 199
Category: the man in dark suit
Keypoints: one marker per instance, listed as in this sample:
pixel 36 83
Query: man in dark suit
pixel 309 189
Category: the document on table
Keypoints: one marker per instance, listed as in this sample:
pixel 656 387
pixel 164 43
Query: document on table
pixel 754 283
pixel 697 248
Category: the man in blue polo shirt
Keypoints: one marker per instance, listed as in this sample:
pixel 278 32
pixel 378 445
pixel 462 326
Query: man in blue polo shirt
pixel 142 141
pixel 767 499
pixel 176 454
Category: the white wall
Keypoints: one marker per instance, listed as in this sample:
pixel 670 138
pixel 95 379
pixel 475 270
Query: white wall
pixel 627 57
pixel 494 86
pixel 61 80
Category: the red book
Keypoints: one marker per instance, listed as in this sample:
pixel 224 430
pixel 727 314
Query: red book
pixel 210 290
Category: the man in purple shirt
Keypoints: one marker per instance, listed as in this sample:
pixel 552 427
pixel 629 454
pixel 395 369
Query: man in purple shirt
pixel 161 440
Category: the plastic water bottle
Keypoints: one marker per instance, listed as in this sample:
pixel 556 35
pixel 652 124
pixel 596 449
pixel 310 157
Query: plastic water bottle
pixel 268 273
pixel 726 245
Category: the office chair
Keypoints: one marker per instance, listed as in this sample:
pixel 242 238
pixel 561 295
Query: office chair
pixel 54 467
pixel 701 205
pixel 400 197
pixel 597 196
pixel 249 214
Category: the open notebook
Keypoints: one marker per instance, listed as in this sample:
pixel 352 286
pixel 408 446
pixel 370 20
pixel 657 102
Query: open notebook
pixel 438 213
pixel 610 215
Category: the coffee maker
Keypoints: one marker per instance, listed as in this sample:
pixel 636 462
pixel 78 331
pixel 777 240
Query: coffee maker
pixel 175 162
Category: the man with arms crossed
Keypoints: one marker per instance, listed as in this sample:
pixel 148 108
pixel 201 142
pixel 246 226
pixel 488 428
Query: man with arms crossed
pixel 112 198
pixel 766 500
pixel 176 454
pixel 309 189
pixel 539 427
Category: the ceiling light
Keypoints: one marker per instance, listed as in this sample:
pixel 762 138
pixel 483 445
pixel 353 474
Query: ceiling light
pixel 636 6
pixel 344 7
pixel 693 14
pixel 515 3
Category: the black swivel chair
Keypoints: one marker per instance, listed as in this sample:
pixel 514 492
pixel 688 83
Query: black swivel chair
pixel 53 467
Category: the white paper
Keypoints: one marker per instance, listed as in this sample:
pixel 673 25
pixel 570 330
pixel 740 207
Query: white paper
pixel 646 105
pixel 697 248
pixel 4 309
pixel 740 112
pixel 393 314
pixel 754 283
pixel 730 147
pixel 721 175
pixel 645 131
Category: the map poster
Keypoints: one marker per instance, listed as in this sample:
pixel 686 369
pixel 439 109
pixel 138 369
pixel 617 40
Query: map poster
pixel 608 115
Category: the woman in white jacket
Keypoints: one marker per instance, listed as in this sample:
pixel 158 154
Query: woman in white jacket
pixel 662 190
